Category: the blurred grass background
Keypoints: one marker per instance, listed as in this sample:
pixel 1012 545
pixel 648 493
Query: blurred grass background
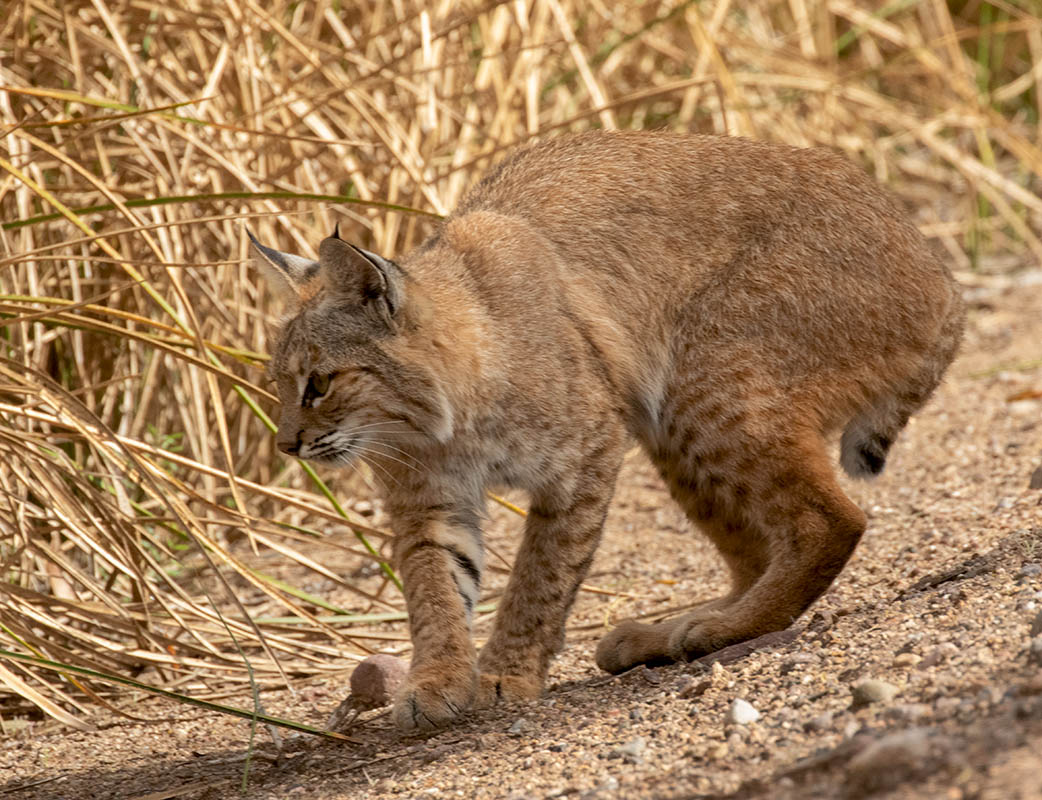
pixel 147 526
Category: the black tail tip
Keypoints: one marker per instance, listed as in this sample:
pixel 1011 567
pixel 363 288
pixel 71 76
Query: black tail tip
pixel 871 454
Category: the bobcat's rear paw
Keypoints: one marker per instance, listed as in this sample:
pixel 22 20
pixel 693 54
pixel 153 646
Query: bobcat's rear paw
pixel 493 689
pixel 631 643
pixel 432 698
pixel 693 638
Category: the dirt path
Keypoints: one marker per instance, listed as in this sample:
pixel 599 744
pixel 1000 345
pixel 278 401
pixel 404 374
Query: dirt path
pixel 938 602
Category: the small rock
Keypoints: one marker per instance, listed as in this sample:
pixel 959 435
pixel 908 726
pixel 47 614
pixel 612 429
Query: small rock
pixel 822 722
pixel 945 706
pixel 1031 570
pixel 519 727
pixel 1036 478
pixel 1032 688
pixel 632 752
pixel 650 676
pixel 718 752
pixel 798 660
pixel 741 712
pixel 890 760
pixel 851 729
pixel 906 660
pixel 907 712
pixel 989 696
pixel 938 655
pixel 364 507
pixel 376 679
pixel 1035 651
pixel 873 691
pixel 692 688
pixel 1036 626
pixel 822 620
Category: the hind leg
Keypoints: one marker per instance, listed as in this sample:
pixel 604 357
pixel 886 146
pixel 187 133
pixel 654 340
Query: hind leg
pixel 785 528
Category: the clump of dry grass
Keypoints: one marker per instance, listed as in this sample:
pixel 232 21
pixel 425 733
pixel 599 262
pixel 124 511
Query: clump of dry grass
pixel 140 496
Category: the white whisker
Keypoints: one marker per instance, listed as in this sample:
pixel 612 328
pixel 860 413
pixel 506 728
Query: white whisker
pixel 382 469
pixel 410 456
pixel 362 449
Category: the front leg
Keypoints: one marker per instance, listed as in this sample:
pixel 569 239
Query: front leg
pixel 438 554
pixel 562 531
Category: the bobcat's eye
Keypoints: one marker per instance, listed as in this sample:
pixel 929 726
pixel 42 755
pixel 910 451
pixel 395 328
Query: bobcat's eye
pixel 318 384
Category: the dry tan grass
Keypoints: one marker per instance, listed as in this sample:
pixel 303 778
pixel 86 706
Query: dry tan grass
pixel 137 472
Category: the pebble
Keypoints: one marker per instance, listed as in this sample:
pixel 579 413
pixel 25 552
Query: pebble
pixel 691 688
pixel 946 705
pixel 375 680
pixel 1035 651
pixel 718 752
pixel 938 655
pixel 632 752
pixel 873 691
pixel 822 722
pixel 907 712
pixel 718 674
pixel 889 760
pixel 1036 626
pixel 906 660
pixel 518 728
pixel 742 712
pixel 797 661
pixel 1031 570
pixel 364 507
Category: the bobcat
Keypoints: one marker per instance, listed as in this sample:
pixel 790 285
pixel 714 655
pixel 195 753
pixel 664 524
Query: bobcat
pixel 727 303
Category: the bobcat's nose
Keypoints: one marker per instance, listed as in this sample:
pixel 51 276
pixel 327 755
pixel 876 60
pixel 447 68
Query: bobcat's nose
pixel 290 447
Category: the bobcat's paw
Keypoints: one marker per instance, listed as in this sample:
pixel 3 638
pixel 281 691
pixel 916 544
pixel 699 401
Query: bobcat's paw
pixel 493 689
pixel 631 643
pixel 693 638
pixel 433 697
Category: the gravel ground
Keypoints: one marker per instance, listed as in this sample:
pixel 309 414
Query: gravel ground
pixel 915 676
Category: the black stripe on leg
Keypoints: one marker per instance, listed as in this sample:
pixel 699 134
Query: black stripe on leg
pixel 465 563
pixel 468 601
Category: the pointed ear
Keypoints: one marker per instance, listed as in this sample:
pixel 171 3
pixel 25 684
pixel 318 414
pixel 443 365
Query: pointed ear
pixel 361 276
pixel 285 273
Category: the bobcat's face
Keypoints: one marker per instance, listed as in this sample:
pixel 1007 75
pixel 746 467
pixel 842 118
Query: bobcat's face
pixel 345 365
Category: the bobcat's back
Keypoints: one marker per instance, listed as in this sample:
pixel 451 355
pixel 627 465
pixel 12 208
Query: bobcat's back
pixel 789 262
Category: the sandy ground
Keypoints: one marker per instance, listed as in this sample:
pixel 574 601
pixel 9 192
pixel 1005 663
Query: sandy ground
pixel 938 602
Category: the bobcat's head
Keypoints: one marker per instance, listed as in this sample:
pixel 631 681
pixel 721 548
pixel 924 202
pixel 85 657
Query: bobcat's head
pixel 349 361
